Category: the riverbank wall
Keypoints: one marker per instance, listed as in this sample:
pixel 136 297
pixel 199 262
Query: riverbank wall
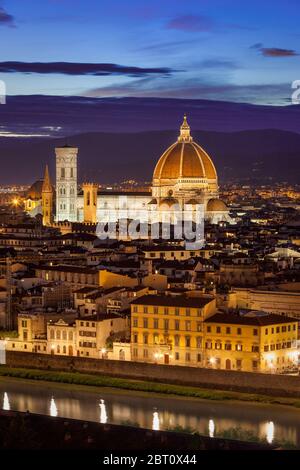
pixel 266 384
pixel 44 432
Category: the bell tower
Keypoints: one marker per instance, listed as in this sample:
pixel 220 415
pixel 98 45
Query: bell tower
pixel 66 183
pixel 90 202
pixel 47 199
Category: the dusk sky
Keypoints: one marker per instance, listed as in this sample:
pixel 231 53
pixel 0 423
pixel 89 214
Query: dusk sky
pixel 221 50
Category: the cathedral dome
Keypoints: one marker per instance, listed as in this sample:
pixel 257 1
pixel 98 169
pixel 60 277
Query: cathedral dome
pixel 216 205
pixel 185 159
pixel 35 190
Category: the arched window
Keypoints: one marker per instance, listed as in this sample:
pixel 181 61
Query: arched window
pixel 64 350
pixel 58 334
pixel 122 355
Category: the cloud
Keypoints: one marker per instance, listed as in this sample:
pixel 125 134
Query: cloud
pixel 219 64
pixel 74 68
pixel 277 52
pixel 191 23
pixel 5 18
pixel 196 89
pixel 274 51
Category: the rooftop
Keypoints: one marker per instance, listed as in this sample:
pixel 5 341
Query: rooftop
pixel 170 301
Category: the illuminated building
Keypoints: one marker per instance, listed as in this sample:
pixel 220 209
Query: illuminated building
pixel 183 179
pixel 47 199
pixel 169 330
pixel 256 342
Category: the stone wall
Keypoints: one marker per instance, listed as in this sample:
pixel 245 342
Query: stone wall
pixel 280 385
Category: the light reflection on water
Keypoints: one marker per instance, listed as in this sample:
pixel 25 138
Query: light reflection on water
pixel 103 414
pixel 268 423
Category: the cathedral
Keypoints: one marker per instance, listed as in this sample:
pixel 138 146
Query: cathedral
pixel 184 177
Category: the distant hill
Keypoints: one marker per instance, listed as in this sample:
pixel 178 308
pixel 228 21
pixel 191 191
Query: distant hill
pixel 109 157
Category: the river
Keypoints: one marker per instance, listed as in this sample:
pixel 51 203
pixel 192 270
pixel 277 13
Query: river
pixel 270 422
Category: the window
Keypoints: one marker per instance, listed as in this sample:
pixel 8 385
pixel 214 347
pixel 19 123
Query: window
pixel 166 311
pixel 199 312
pixel 177 325
pixel 239 331
pixel 155 338
pixel 218 345
pixel 64 350
pixel 239 364
pixel 228 330
pixel 199 342
pixel 208 329
pixel 277 329
pixel 283 329
pixel 255 332
pixel 145 309
pixel 255 348
pixel 188 325
pixel 62 173
pixel 145 322
pixel 228 346
pixel 166 324
pixel 70 335
pixel 64 335
pixel 218 329
pixel 255 365
pixel 199 326
pixel 187 341
pixel 177 311
pixel 145 338
pixel 199 357
pixel 187 357
pixel 266 331
pixel 239 347
pixel 188 312
pixel 145 353
pixel 272 331
pixel 135 322
pixel 58 334
pixel 272 347
pixel 155 323
pixel 51 334
pixel 177 357
pixel 135 338
pixel 176 340
pixel 155 310
pixel 208 345
pixel 25 335
pixel 266 348
pixel 289 328
pixel 135 352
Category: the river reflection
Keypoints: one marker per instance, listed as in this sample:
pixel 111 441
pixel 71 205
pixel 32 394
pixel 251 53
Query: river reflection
pixel 211 418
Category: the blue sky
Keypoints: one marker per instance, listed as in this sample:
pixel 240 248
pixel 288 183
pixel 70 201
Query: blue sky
pixel 211 49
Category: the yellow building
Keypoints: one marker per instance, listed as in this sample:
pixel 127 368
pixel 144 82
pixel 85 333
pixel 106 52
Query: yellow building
pixel 169 329
pixel 261 343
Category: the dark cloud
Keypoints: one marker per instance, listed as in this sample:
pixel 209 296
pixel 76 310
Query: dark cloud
pixel 74 68
pixel 277 52
pixel 5 18
pixel 191 23
pixel 274 51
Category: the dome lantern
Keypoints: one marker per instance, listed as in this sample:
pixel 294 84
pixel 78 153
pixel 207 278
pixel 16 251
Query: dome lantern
pixel 185 131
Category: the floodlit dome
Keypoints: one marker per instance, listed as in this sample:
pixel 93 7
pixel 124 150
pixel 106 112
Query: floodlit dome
pixel 216 205
pixel 185 159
